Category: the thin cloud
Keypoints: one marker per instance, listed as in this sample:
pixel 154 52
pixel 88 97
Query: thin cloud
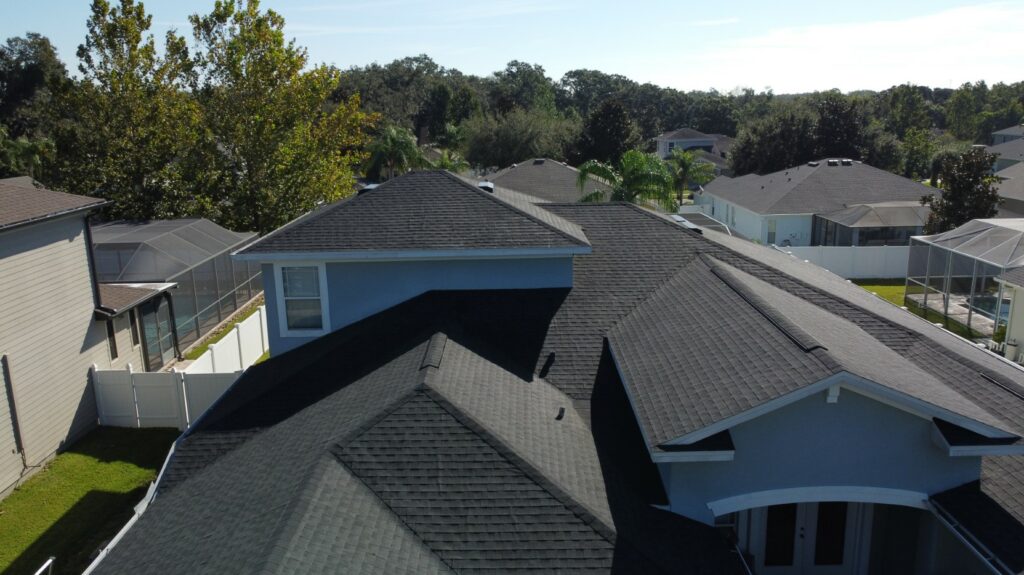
pixel 945 48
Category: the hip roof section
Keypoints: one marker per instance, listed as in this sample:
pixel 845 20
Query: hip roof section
pixel 422 212
pixel 816 189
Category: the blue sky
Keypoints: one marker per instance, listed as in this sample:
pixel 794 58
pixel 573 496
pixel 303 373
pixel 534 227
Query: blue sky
pixel 787 46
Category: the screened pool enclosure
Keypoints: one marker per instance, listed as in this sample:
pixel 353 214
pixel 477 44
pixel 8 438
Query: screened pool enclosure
pixel 193 254
pixel 954 273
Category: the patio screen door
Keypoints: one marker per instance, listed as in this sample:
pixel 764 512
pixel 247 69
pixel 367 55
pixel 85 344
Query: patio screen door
pixel 807 539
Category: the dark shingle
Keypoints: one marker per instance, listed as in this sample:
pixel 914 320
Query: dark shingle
pixel 419 211
pixel 21 202
pixel 115 299
pixel 816 189
pixel 547 180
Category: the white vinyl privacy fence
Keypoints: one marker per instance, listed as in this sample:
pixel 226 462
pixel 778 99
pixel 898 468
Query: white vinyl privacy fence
pixel 238 349
pixel 162 399
pixel 125 398
pixel 882 262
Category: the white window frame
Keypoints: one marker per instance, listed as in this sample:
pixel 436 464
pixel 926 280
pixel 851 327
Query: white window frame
pixel 282 315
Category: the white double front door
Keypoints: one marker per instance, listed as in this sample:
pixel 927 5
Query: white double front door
pixel 829 538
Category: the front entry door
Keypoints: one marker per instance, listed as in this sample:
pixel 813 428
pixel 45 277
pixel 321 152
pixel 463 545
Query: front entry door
pixel 807 538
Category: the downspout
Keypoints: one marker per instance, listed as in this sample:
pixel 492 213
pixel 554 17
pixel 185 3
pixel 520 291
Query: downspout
pixel 173 324
pixel 93 282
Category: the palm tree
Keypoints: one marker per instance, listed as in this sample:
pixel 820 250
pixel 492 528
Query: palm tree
pixel 451 161
pixel 394 152
pixel 687 169
pixel 639 177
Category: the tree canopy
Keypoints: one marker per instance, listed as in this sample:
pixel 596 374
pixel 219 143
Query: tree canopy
pixel 968 191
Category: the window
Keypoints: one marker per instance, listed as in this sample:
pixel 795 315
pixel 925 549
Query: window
pixel 302 301
pixel 111 340
pixel 133 323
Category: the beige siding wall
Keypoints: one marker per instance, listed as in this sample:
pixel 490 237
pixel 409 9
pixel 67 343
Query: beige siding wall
pixel 48 334
pixel 126 352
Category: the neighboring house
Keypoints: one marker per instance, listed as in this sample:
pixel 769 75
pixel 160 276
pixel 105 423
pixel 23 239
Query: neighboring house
pixel 1011 190
pixel 793 207
pixel 548 180
pixel 683 139
pixel 462 383
pixel 188 263
pixel 49 337
pixel 1009 153
pixel 1008 134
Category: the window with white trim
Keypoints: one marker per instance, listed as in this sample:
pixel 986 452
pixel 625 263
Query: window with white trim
pixel 302 299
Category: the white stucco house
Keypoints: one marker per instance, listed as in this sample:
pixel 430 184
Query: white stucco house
pixel 811 205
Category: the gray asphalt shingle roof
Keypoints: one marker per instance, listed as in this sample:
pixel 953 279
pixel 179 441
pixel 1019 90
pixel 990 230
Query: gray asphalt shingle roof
pixel 1012 150
pixel 684 134
pixel 294 461
pixel 429 210
pixel 116 299
pixel 1017 130
pixel 547 180
pixel 22 202
pixel 817 189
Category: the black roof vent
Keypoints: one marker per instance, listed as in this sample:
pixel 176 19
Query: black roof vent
pixel 813 164
pixel 367 188
pixel 486 186
pixel 847 162
pixel 538 161
pixel 833 163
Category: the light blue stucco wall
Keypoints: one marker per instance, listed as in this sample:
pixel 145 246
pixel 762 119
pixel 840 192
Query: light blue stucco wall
pixel 812 443
pixel 361 289
pixel 794 227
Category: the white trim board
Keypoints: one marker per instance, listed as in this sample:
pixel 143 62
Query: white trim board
pixel 415 255
pixel 816 494
pixel 856 384
pixel 282 316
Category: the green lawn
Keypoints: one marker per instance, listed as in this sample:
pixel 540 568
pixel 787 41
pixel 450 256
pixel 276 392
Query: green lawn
pixel 890 290
pixel 893 290
pixel 81 500
pixel 215 336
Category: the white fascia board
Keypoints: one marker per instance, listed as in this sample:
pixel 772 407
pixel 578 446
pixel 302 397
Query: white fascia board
pixel 693 456
pixel 418 255
pixel 856 383
pixel 758 411
pixel 972 450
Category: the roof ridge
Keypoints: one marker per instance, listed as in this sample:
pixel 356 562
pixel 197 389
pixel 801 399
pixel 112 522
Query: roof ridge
pixel 606 531
pixel 514 209
pixel 801 338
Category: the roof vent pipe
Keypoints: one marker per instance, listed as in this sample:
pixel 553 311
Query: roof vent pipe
pixel 847 162
pixel 486 186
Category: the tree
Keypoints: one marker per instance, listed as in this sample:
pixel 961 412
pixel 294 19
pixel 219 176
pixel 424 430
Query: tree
pixel 917 153
pixel 968 192
pixel 502 140
pixel 839 131
pixel 905 108
pixel 21 156
pixel 780 141
pixel 688 170
pixel 639 177
pixel 131 128
pixel 608 133
pixel 522 86
pixel 881 148
pixel 279 149
pixel 451 161
pixel 30 76
pixel 392 153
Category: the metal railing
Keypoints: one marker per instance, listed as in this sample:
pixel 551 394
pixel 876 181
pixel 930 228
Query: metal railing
pixel 47 568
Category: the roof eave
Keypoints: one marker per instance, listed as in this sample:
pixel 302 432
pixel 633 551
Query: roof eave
pixel 54 215
pixel 413 255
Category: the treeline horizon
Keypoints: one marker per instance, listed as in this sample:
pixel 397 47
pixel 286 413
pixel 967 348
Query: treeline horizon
pixel 236 124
